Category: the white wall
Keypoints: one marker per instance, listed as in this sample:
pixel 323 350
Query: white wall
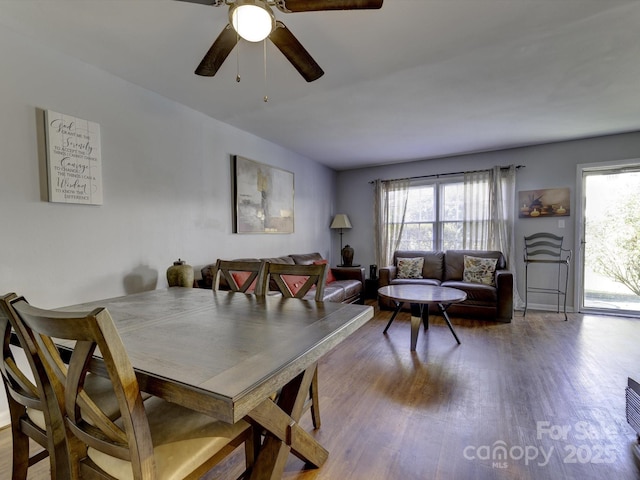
pixel 546 166
pixel 166 182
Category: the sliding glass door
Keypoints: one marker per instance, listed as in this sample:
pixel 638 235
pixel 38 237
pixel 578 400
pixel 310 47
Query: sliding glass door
pixel 610 239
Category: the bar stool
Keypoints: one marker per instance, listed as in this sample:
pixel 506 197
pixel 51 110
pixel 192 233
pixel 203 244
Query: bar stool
pixel 546 249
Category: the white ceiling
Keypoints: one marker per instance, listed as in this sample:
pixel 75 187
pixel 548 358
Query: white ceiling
pixel 417 79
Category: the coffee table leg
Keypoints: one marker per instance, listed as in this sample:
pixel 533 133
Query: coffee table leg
pixel 425 316
pixel 416 320
pixel 393 317
pixel 443 309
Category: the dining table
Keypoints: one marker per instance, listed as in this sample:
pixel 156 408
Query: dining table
pixel 224 354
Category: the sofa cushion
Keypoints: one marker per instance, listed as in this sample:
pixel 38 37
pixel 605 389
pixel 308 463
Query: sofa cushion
pixel 351 288
pixel 454 262
pixel 477 293
pixel 305 258
pixel 410 267
pixel 332 293
pixel 282 260
pixel 433 266
pixel 479 270
pixel 416 281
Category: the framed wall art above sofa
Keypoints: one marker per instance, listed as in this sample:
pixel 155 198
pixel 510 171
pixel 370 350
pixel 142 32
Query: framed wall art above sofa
pixel 263 197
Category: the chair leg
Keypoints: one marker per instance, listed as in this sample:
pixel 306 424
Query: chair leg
pixel 315 403
pixel 20 461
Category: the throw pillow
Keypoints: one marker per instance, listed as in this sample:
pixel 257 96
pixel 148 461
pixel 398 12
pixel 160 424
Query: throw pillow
pixel 330 276
pixel 294 282
pixel 479 270
pixel 241 277
pixel 410 267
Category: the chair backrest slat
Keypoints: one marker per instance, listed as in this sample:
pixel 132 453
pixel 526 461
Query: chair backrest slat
pixel 544 246
pixel 15 379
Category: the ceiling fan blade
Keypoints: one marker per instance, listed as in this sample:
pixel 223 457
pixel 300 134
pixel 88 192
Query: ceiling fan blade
pixel 293 50
pixel 290 6
pixel 218 52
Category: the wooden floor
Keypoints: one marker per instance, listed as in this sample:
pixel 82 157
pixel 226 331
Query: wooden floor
pixel 539 398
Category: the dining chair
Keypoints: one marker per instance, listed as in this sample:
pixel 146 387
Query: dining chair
pixel 240 275
pixel 30 417
pixel 150 440
pixel 296 281
pixel 36 407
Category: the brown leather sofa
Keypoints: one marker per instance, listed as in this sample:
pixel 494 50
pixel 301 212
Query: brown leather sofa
pixel 446 269
pixel 347 288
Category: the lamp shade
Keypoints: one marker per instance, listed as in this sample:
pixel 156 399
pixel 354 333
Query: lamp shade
pixel 340 221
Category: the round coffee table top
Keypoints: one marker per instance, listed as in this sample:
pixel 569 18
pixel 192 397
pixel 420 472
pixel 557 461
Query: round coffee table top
pixel 422 294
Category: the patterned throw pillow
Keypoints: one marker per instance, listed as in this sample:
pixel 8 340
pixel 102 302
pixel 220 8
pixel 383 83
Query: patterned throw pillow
pixel 410 267
pixel 479 270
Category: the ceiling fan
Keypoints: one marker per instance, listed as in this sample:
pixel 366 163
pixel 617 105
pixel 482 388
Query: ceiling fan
pixel 241 24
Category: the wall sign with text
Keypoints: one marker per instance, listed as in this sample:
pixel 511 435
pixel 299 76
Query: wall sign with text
pixel 74 164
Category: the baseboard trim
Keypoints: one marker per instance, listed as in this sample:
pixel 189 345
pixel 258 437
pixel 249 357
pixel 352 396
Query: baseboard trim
pixel 5 419
pixel 547 307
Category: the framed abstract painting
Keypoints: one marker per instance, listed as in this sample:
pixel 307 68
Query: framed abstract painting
pixel 263 197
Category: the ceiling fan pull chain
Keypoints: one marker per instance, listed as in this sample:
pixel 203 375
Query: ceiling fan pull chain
pixel 266 97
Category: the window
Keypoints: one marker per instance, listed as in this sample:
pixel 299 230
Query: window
pixel 434 217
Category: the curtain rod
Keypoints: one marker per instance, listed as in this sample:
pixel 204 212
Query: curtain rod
pixel 438 175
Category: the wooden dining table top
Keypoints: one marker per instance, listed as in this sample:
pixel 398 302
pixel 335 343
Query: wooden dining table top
pixel 223 353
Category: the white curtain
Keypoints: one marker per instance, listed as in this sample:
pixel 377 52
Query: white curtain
pixel 490 215
pixel 390 207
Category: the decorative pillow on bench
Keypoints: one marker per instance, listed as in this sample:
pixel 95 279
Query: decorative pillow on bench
pixel 479 270
pixel 410 267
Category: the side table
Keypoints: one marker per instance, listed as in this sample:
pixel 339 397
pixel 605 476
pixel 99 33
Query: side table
pixel 371 288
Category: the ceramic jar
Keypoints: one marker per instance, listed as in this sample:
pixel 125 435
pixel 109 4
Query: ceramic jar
pixel 347 256
pixel 180 274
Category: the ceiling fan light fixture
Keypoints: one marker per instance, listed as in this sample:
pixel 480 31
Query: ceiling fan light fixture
pixel 252 19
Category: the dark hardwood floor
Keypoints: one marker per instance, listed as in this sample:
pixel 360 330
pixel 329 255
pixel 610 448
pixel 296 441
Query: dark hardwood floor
pixel 539 398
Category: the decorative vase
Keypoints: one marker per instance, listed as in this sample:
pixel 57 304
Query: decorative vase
pixel 373 272
pixel 180 274
pixel 347 256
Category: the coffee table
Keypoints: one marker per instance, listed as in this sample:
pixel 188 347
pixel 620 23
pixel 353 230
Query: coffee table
pixel 419 296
